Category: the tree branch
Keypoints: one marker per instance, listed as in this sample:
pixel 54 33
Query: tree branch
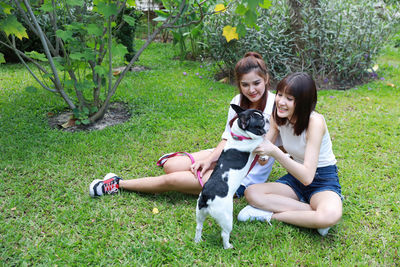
pixel 57 82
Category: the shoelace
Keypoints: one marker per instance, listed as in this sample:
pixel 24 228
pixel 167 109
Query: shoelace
pixel 110 187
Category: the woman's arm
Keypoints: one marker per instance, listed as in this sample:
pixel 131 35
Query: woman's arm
pixel 271 136
pixel 303 172
pixel 204 165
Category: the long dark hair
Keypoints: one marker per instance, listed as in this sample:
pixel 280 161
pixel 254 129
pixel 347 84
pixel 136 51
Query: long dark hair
pixel 302 87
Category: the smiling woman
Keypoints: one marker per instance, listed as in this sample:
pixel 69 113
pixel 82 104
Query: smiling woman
pixel 310 194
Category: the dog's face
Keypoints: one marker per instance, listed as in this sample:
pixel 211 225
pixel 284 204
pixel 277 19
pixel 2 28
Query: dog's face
pixel 250 120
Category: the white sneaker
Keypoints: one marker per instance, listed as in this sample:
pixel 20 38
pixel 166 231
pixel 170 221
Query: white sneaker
pixel 250 213
pixel 323 231
pixel 109 185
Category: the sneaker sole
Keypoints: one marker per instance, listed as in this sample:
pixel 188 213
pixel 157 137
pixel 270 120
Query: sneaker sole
pixel 92 192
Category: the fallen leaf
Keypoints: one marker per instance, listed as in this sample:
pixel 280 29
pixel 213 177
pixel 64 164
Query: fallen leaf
pixel 390 84
pixel 15 208
pixel 224 80
pixel 69 123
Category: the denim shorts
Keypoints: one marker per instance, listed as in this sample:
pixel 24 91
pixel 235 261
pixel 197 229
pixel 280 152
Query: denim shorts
pixel 325 179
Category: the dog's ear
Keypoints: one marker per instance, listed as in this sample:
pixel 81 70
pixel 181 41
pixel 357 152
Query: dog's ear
pixel 237 108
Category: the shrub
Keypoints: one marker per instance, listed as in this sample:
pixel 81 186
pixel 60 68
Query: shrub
pixel 336 41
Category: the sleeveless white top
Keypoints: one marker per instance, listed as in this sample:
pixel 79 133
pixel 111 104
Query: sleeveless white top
pixel 259 174
pixel 296 145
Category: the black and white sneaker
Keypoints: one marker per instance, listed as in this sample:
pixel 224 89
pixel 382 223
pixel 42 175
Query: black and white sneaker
pixel 109 185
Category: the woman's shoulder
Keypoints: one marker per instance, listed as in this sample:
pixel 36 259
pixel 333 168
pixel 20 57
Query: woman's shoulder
pixel 317 121
pixel 236 99
pixel 270 103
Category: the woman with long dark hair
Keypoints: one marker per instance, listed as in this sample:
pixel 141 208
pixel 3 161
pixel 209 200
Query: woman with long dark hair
pixel 310 194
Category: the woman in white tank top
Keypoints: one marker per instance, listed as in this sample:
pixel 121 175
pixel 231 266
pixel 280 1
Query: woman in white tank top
pixel 310 194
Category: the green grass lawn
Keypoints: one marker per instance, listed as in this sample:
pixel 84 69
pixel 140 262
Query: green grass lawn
pixel 48 218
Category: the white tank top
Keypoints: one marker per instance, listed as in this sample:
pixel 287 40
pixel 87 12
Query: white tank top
pixel 296 146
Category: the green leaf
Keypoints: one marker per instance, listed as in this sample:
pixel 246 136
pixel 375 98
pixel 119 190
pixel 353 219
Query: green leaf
pixel 37 56
pixel 266 4
pixel 130 20
pixel 94 29
pixel 47 7
pixel 2 60
pixel 93 110
pixel 10 25
pixel 75 2
pixel 196 31
pixel 31 89
pixel 85 110
pixel 64 35
pixel 119 50
pixel 241 10
pixel 107 10
pixel 76 56
pixel 161 19
pixel 161 13
pixel 101 70
pixel 85 121
pixel 6 8
pixel 84 85
pixel 252 4
pixel 241 30
pixel 131 3
pixel 250 18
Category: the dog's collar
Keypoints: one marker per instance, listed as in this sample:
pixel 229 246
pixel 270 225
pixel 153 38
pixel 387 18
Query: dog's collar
pixel 239 137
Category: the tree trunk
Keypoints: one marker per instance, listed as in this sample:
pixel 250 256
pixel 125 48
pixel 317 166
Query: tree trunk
pixel 296 25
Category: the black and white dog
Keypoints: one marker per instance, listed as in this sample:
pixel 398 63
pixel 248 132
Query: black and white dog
pixel 235 161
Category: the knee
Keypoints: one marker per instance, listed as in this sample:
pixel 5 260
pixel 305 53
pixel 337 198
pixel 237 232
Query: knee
pixel 251 194
pixel 170 179
pixel 329 217
pixel 168 167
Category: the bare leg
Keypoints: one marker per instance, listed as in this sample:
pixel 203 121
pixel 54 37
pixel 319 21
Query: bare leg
pixel 275 197
pixel 327 211
pixel 183 181
pixel 182 162
pixel 324 210
pixel 178 177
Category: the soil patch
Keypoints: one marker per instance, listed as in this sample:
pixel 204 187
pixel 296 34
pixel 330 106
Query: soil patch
pixel 118 112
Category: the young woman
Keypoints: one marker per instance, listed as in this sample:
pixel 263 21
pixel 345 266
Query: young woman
pixel 310 194
pixel 253 83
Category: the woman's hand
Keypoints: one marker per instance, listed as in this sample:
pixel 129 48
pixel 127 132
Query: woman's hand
pixel 266 148
pixel 202 166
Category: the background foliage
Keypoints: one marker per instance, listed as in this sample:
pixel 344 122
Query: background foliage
pixel 337 41
pixel 48 217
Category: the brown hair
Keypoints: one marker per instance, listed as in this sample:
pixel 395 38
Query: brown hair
pixel 252 61
pixel 302 87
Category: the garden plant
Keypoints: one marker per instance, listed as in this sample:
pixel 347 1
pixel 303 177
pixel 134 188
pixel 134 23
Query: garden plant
pixel 337 41
pixel 78 44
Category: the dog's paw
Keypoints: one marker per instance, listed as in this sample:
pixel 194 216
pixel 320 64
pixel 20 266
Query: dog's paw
pixel 197 238
pixel 228 246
